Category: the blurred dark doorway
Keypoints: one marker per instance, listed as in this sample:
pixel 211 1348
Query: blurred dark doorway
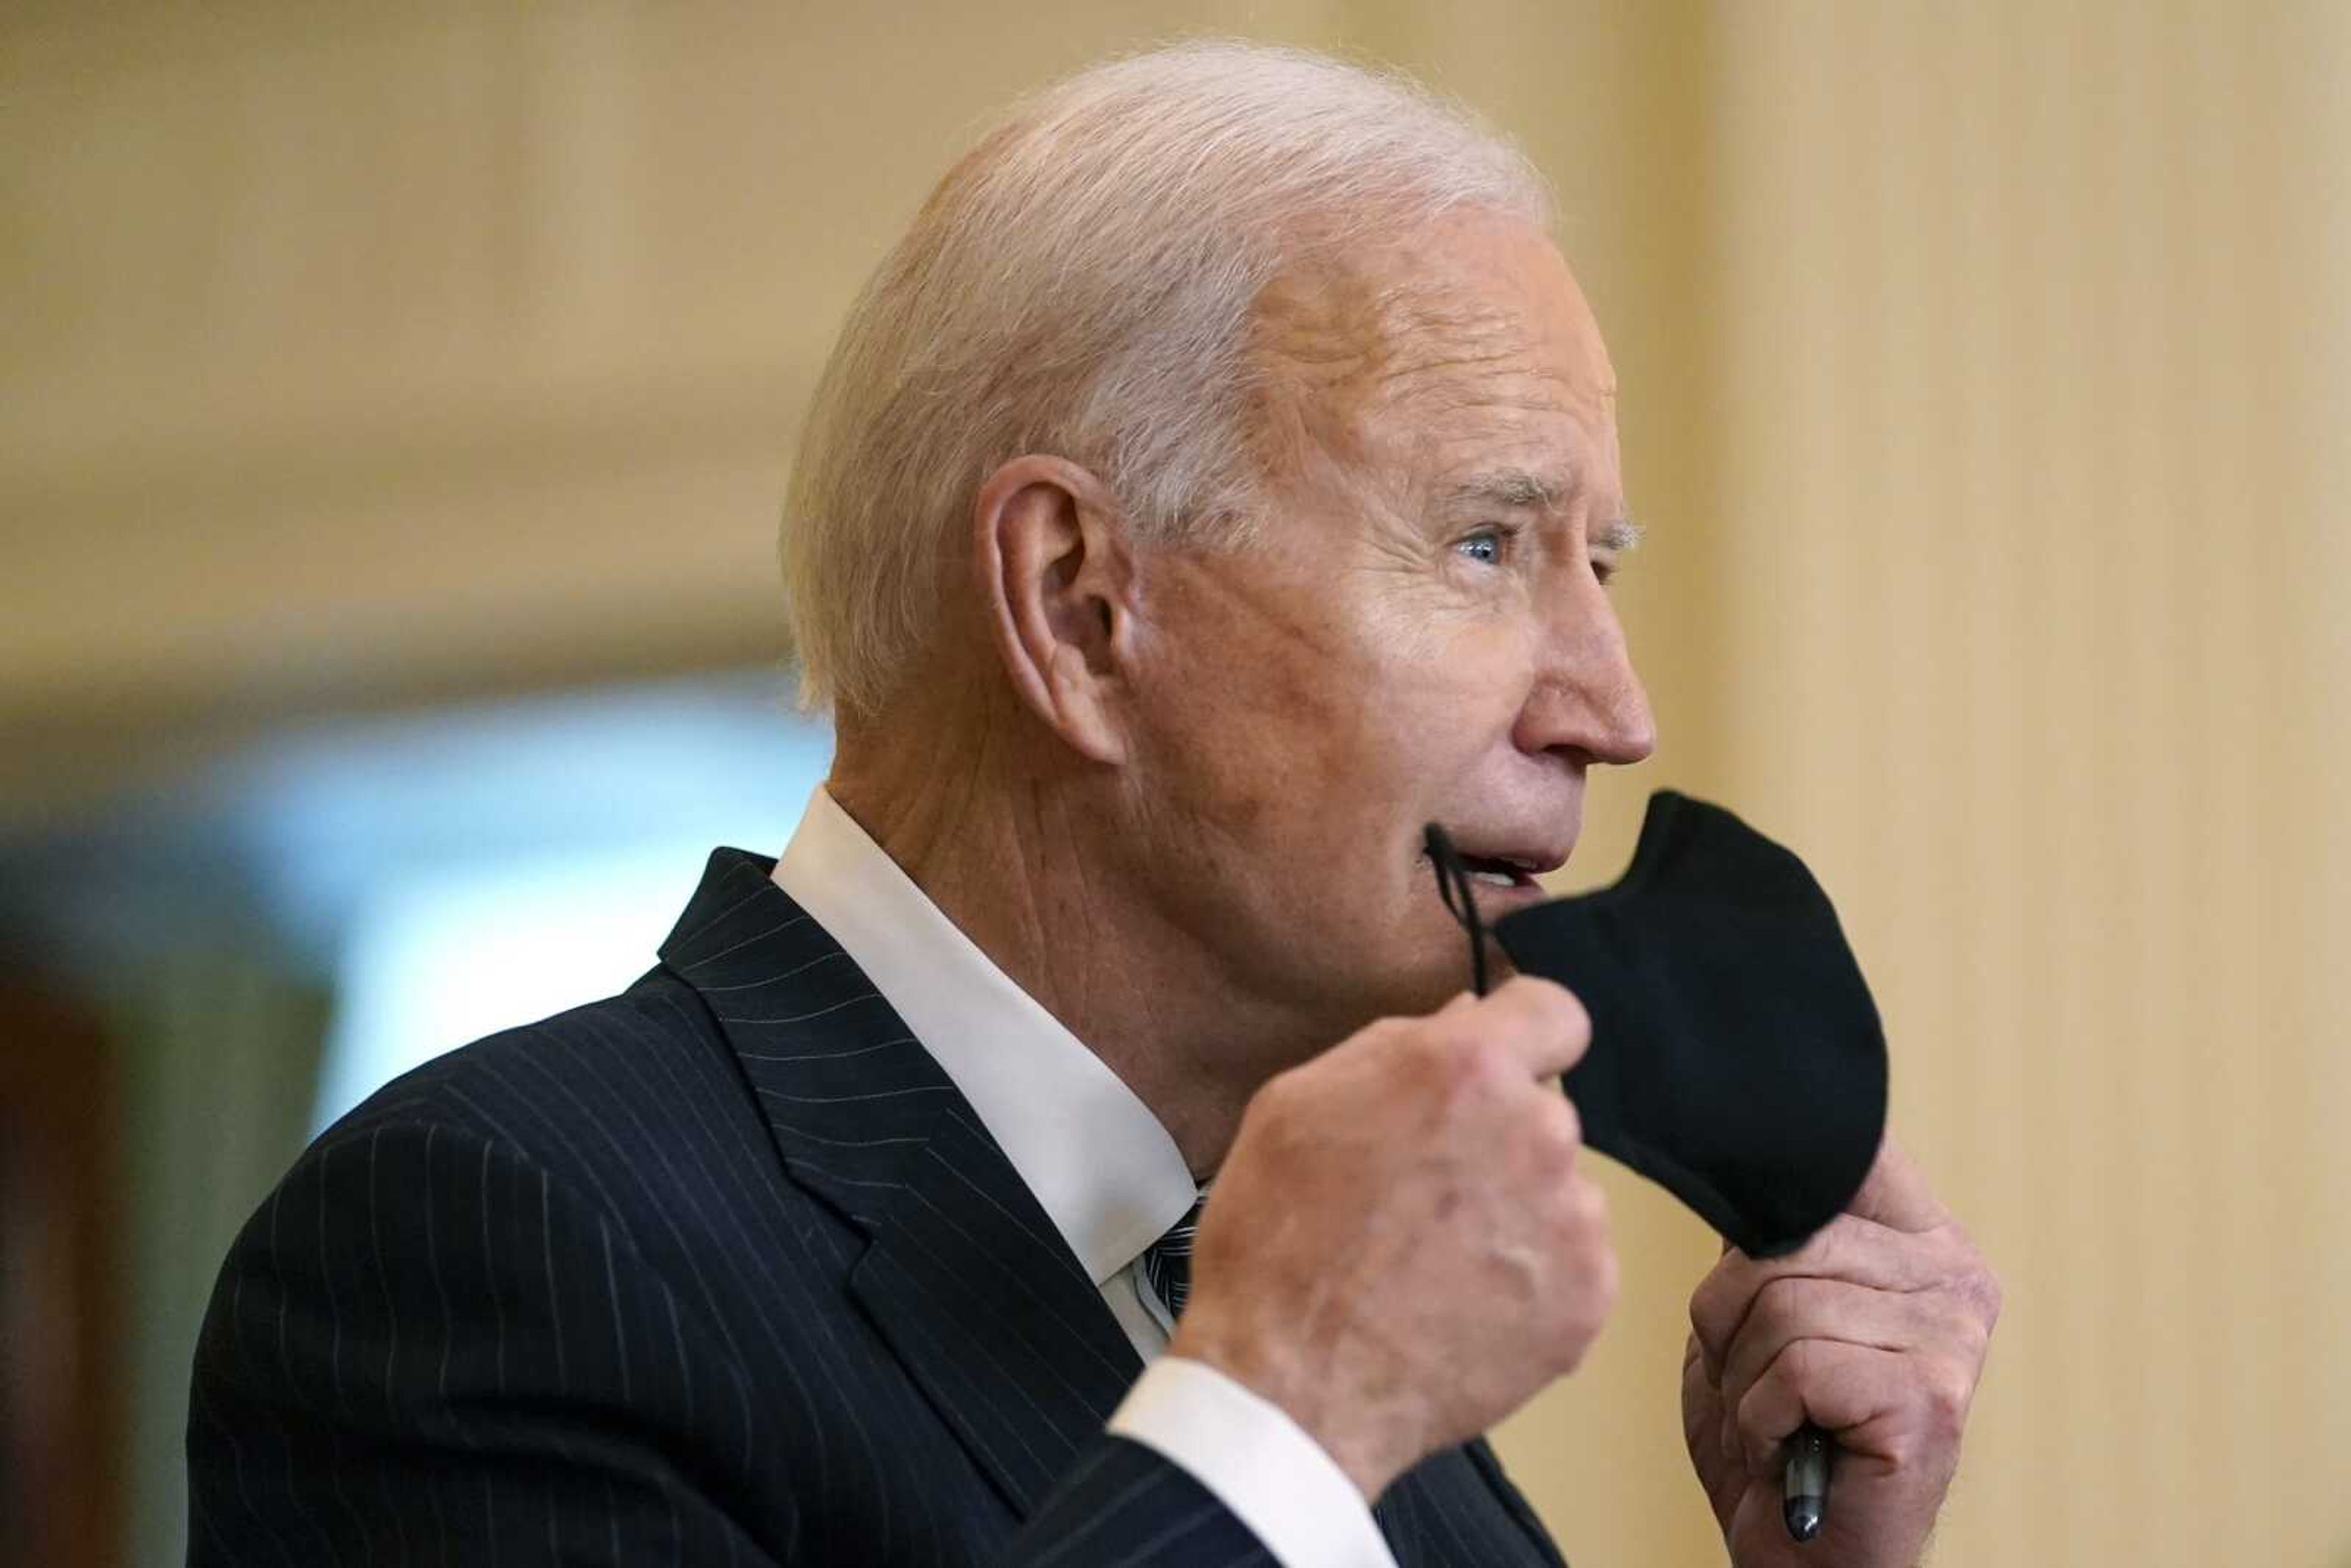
pixel 60 1489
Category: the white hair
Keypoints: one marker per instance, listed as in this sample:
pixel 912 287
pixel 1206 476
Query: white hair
pixel 1082 284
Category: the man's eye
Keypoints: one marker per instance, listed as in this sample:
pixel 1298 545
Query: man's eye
pixel 1485 545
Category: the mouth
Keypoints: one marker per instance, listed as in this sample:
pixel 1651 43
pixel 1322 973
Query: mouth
pixel 1492 870
pixel 1510 871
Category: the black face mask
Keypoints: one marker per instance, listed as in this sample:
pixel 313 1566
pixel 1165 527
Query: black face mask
pixel 1737 1059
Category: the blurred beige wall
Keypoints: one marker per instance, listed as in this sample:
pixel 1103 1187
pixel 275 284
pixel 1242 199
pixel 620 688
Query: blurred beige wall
pixel 1984 370
pixel 2036 375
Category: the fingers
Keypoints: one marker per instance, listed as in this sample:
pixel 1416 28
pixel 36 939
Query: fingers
pixel 1702 1426
pixel 1795 1308
pixel 1539 1022
pixel 1843 1388
pixel 1875 1330
pixel 1849 1248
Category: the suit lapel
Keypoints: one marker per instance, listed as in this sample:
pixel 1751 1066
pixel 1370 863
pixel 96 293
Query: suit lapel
pixel 963 1275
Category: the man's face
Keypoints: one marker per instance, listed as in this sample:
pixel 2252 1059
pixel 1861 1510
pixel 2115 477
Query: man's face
pixel 1421 633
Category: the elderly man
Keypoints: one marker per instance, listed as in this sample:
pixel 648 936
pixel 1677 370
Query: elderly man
pixel 1216 484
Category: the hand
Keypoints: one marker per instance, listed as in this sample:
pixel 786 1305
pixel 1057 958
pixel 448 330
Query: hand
pixel 1400 1249
pixel 1875 1330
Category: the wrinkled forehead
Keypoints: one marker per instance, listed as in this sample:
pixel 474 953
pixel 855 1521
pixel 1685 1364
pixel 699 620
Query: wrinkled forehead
pixel 1423 352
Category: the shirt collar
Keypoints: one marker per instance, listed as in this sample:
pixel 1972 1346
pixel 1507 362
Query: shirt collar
pixel 1102 1167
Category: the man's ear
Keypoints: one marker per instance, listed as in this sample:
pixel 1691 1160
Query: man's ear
pixel 1055 572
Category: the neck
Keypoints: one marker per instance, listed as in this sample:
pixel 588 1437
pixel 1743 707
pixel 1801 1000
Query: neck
pixel 1029 852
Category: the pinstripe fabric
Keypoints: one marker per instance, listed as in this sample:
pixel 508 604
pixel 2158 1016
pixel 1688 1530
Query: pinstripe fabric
pixel 722 1269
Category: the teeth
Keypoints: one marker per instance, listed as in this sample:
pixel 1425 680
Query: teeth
pixel 1498 879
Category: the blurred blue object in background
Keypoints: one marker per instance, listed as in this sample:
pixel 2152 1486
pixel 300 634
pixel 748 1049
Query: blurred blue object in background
pixel 462 873
pixel 250 948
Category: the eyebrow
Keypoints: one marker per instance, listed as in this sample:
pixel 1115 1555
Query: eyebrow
pixel 1522 489
pixel 1617 536
pixel 1516 487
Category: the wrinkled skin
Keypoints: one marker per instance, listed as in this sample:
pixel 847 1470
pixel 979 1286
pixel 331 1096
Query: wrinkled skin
pixel 1876 1329
pixel 1455 1253
pixel 1410 640
pixel 1177 795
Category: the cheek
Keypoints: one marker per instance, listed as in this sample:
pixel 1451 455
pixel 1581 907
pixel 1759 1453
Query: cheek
pixel 1253 708
pixel 1323 718
pixel 1447 696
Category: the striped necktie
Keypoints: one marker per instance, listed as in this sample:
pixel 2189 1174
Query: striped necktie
pixel 1167 1262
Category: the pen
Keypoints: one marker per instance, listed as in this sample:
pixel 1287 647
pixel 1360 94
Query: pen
pixel 1806 1490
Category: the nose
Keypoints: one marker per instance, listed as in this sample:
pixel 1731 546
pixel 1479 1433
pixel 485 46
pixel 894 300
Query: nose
pixel 1588 701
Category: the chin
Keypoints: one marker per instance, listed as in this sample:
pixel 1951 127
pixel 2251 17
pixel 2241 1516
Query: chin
pixel 1422 982
pixel 1413 986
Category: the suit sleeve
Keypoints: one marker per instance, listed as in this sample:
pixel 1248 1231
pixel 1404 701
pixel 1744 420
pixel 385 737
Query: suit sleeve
pixel 425 1348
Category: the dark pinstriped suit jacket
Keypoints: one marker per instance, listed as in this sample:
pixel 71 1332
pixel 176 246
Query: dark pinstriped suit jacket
pixel 723 1270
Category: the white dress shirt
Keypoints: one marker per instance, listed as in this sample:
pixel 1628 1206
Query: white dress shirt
pixel 1103 1168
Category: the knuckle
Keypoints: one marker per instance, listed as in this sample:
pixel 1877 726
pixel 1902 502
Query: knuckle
pixel 1830 1250
pixel 1586 1306
pixel 1568 1119
pixel 1534 987
pixel 1485 1057
pixel 1489 1070
pixel 1448 1047
pixel 1276 1100
pixel 1981 1288
pixel 1289 1109
pixel 1268 1138
pixel 1575 1019
pixel 1461 1070
pixel 1797 1366
pixel 1558 1135
pixel 1431 1059
pixel 1553 1004
pixel 1709 1311
pixel 1949 1391
pixel 1592 1205
pixel 1701 1320
pixel 1905 1448
pixel 1578 1226
pixel 1781 1304
pixel 1390 1036
pixel 1965 1280
pixel 1966 1330
pixel 1263 1111
pixel 1568 1015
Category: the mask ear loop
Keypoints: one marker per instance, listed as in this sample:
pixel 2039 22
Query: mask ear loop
pixel 1452 887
